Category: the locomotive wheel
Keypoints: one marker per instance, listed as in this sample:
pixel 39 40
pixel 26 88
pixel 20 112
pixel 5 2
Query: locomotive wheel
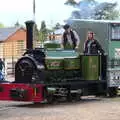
pixel 77 97
pixel 112 92
pixel 48 97
pixel 69 96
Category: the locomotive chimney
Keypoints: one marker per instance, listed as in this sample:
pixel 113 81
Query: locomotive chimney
pixel 29 34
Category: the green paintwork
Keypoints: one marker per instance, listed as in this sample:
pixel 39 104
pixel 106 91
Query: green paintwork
pixel 90 67
pixel 54 64
pixel 62 59
pixel 61 53
pixel 113 45
pixel 71 63
pixel 51 46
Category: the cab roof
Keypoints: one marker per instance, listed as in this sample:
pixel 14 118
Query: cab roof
pixel 92 20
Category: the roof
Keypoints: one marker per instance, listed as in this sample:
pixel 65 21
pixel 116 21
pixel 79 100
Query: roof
pixel 92 20
pixel 59 31
pixel 7 32
pixel 52 41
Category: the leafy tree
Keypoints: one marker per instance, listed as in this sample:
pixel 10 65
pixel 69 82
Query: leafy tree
pixel 70 2
pixel 106 11
pixel 1 25
pixel 43 32
pixel 17 24
pixel 85 9
pixel 91 9
pixel 57 26
pixel 76 15
pixel 43 26
pixel 36 33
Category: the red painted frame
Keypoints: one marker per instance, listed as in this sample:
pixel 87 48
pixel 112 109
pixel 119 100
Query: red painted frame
pixel 34 91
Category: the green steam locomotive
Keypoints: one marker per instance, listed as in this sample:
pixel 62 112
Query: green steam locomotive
pixel 51 73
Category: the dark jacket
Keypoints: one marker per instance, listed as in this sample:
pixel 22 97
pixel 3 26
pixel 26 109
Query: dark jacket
pixel 92 47
pixel 65 40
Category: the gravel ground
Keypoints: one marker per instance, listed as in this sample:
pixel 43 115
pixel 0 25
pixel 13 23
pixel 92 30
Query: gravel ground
pixel 89 108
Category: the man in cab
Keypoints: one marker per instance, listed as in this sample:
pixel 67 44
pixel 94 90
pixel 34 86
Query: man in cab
pixel 70 38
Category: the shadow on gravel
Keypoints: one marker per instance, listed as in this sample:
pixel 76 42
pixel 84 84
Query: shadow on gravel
pixel 58 103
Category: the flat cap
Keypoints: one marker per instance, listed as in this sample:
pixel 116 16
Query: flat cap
pixel 66 26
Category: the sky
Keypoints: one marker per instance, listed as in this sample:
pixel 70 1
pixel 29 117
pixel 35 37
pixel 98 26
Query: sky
pixel 52 11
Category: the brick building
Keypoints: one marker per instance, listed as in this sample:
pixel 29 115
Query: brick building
pixel 12 45
pixel 56 35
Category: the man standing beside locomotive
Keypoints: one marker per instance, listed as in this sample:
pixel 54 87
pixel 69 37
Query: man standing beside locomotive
pixel 2 66
pixel 70 38
pixel 92 46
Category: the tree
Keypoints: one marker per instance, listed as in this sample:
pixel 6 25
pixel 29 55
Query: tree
pixel 17 24
pixel 36 33
pixel 76 15
pixel 106 11
pixel 57 26
pixel 43 26
pixel 1 25
pixel 70 2
pixel 43 32
pixel 91 9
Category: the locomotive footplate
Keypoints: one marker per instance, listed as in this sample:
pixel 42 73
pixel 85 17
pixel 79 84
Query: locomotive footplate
pixel 21 92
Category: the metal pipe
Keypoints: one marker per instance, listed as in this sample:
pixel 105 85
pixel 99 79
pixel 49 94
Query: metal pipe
pixel 29 34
